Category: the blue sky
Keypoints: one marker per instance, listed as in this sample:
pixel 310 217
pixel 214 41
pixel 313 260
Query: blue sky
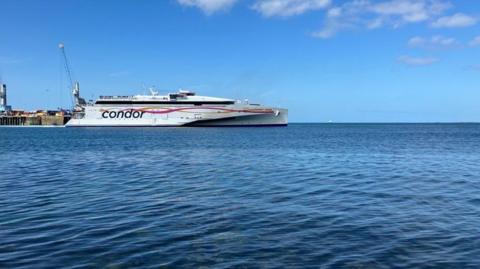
pixel 345 61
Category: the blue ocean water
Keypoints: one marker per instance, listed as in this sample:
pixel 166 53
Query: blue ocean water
pixel 303 196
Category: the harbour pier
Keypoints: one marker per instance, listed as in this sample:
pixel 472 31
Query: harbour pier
pixel 16 117
pixel 33 120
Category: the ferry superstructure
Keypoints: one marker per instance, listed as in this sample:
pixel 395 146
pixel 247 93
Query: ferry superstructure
pixel 183 108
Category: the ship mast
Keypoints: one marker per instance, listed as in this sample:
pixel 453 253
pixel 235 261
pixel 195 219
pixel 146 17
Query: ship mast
pixel 78 102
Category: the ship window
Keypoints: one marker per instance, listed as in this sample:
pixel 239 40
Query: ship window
pixel 174 101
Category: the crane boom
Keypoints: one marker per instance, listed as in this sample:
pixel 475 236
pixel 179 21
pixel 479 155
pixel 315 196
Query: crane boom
pixel 66 64
pixel 79 103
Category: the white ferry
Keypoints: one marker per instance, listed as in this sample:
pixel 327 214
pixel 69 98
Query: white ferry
pixel 183 108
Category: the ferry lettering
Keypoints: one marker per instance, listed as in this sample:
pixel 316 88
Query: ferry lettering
pixel 123 114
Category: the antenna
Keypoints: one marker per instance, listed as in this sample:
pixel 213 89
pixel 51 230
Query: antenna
pixel 153 91
pixel 144 89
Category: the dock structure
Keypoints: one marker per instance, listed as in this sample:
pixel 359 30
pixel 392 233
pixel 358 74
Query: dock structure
pixel 22 120
pixel 9 117
pixel 59 117
pixel 7 120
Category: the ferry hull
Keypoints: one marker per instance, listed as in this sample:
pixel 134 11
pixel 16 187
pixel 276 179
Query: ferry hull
pixel 280 119
pixel 228 116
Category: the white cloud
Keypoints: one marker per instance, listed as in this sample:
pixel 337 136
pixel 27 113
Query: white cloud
pixel 208 6
pixel 367 14
pixel 417 41
pixel 434 42
pixel 286 8
pixel 342 17
pixel 475 41
pixel 334 12
pixel 455 21
pixel 417 61
pixel 409 11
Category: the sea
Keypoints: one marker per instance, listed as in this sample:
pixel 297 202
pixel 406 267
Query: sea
pixel 302 196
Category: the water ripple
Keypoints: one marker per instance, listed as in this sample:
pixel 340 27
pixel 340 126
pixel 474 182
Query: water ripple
pixel 329 196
